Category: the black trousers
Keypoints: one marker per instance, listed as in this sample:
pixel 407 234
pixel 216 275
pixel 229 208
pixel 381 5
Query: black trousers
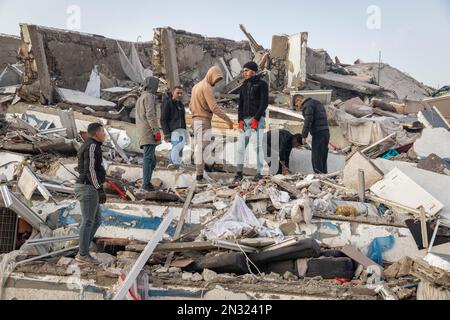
pixel 320 142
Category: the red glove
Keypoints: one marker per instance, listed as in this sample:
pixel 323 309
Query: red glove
pixel 241 124
pixel 158 137
pixel 255 124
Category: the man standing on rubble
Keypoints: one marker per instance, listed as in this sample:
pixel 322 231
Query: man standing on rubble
pixel 203 106
pixel 89 189
pixel 278 145
pixel 253 103
pixel 148 129
pixel 316 123
pixel 173 123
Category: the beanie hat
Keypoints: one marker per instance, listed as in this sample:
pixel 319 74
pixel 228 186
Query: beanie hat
pixel 251 65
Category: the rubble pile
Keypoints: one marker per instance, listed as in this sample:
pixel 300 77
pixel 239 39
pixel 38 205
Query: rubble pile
pixel 375 227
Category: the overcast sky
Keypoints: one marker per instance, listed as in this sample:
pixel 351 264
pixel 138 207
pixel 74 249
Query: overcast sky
pixel 413 35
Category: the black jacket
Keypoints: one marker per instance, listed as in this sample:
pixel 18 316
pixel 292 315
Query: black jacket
pixel 285 145
pixel 90 164
pixel 315 117
pixel 173 115
pixel 253 98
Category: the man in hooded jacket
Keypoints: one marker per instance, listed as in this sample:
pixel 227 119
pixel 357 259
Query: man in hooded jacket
pixel 148 129
pixel 203 107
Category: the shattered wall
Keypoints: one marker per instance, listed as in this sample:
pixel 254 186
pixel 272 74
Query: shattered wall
pixel 71 56
pixel 316 61
pixel 288 61
pixel 8 50
pixel 195 54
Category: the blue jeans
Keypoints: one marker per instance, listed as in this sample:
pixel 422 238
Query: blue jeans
pixel 178 139
pixel 149 163
pixel 91 217
pixel 243 141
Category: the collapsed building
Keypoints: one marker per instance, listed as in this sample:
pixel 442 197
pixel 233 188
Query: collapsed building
pixel 377 227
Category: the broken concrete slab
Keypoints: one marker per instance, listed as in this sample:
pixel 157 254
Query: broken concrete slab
pixel 359 162
pixel 436 141
pixel 10 76
pixel 8 164
pixel 352 252
pixel 316 61
pixel 323 96
pixel 433 183
pixel 82 99
pixel 36 65
pixel 433 119
pixel 348 83
pixel 400 188
pixel 296 60
pixel 441 103
pixel 28 183
pixel 399 83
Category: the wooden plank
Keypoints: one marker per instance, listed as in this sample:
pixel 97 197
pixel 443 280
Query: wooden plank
pixel 423 227
pixel 376 221
pixel 142 260
pixel 356 255
pixel 286 186
pixel 180 224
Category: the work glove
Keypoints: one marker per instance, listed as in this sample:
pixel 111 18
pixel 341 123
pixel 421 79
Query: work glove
pixel 241 125
pixel 255 124
pixel 101 196
pixel 158 137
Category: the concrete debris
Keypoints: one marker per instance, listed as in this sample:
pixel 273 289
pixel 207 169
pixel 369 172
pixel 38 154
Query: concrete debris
pixel 439 147
pixel 299 233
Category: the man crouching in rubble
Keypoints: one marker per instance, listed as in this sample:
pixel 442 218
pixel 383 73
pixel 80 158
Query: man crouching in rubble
pixel 203 106
pixel 253 103
pixel 148 129
pixel 278 145
pixel 89 189
pixel 316 123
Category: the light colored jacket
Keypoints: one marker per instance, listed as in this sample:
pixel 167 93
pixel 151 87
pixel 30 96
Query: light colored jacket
pixel 203 102
pixel 147 119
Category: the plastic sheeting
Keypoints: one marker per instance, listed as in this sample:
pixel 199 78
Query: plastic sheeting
pixel 378 247
pixel 364 132
pixel 239 220
pixel 94 84
pixel 132 65
pixel 278 198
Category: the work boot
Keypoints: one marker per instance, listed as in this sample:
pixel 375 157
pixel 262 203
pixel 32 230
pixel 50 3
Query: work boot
pixel 87 260
pixel 148 188
pixel 258 177
pixel 239 177
pixel 209 168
